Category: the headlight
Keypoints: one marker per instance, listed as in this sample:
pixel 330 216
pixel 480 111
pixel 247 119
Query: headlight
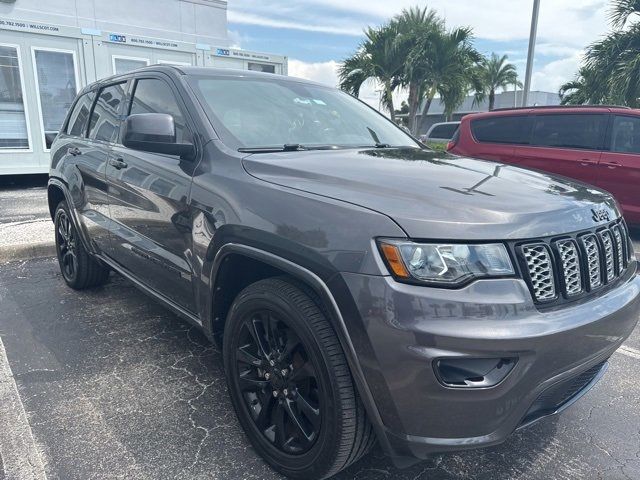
pixel 445 264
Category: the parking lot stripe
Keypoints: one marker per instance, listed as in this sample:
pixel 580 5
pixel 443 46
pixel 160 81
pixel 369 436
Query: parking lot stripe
pixel 20 456
pixel 629 352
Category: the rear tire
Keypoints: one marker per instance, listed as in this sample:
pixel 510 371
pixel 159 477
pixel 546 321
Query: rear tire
pixel 79 269
pixel 277 339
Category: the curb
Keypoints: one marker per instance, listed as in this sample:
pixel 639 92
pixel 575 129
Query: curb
pixel 27 251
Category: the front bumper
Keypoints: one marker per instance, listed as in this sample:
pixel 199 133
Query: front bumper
pixel 404 329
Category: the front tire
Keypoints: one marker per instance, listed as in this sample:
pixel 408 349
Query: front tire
pixel 78 268
pixel 290 383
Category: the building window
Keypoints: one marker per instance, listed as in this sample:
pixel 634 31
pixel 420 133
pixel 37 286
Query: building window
pixel 127 64
pixel 262 67
pixel 14 133
pixel 56 81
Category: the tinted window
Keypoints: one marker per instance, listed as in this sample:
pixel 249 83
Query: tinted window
pixel 79 118
pixel 105 119
pixel 443 131
pixel 625 137
pixel 508 129
pixel 570 131
pixel 155 96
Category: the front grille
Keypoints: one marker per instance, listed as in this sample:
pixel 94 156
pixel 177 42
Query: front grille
pixel 540 269
pixel 569 267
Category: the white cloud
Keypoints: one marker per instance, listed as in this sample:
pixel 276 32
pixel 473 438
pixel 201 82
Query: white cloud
pixel 265 21
pixel 552 75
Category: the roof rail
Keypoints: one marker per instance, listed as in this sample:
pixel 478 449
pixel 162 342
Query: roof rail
pixel 543 107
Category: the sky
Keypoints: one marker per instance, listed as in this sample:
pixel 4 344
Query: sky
pixel 317 35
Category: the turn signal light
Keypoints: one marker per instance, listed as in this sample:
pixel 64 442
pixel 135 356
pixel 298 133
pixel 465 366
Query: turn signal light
pixel 392 255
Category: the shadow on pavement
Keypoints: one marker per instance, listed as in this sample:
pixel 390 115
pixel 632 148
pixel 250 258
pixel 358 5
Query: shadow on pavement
pixel 20 182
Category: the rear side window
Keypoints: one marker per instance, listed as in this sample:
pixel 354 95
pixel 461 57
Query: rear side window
pixel 570 131
pixel 443 131
pixel 152 95
pixel 510 129
pixel 105 118
pixel 625 137
pixel 79 118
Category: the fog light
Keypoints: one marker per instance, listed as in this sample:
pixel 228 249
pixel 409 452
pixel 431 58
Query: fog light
pixel 473 372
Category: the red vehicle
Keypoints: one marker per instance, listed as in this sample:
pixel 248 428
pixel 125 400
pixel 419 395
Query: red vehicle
pixel 597 145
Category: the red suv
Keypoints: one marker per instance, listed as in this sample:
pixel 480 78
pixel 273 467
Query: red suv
pixel 597 145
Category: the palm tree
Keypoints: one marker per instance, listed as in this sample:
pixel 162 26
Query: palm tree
pixel 495 73
pixel 451 59
pixel 585 89
pixel 413 24
pixel 611 68
pixel 377 58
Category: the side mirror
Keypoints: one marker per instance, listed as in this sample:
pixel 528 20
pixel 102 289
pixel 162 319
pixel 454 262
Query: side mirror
pixel 156 133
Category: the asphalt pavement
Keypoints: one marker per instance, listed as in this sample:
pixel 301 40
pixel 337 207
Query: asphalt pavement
pixel 115 386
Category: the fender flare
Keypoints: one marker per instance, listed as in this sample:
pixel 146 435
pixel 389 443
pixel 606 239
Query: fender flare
pixel 56 182
pixel 335 317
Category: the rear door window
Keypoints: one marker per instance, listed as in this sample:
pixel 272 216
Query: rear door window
pixel 625 136
pixel 152 95
pixel 581 131
pixel 105 118
pixel 444 131
pixel 511 129
pixel 79 119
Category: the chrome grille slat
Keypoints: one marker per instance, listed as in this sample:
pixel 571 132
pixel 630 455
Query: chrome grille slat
pixel 609 255
pixel 627 241
pixel 571 273
pixel 592 250
pixel 620 248
pixel 538 258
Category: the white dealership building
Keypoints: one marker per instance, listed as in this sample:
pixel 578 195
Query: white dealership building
pixel 50 49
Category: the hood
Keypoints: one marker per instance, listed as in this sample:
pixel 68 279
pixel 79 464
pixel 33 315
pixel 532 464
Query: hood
pixel 438 196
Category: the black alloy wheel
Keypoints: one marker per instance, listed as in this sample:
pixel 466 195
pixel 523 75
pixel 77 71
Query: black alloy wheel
pixel 290 383
pixel 79 269
pixel 278 382
pixel 66 239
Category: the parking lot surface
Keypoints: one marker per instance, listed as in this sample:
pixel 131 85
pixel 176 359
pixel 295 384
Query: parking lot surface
pixel 115 386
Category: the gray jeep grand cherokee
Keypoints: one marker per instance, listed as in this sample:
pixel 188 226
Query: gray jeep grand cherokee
pixel 365 289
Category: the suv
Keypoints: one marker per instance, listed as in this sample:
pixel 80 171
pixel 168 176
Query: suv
pixel 440 133
pixel 597 145
pixel 364 289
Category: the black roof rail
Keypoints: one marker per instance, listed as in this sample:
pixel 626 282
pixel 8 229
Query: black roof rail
pixel 543 107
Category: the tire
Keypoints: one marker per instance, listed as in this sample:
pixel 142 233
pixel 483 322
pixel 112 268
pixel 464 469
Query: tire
pixel 323 422
pixel 78 268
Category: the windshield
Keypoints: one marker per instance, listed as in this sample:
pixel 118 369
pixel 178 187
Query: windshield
pixel 256 113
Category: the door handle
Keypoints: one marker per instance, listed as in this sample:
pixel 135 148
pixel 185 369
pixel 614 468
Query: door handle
pixel 611 164
pixel 585 162
pixel 74 151
pixel 118 163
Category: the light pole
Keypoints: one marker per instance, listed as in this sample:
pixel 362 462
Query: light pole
pixel 532 49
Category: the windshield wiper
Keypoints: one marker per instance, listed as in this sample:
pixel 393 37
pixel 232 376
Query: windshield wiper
pixel 287 147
